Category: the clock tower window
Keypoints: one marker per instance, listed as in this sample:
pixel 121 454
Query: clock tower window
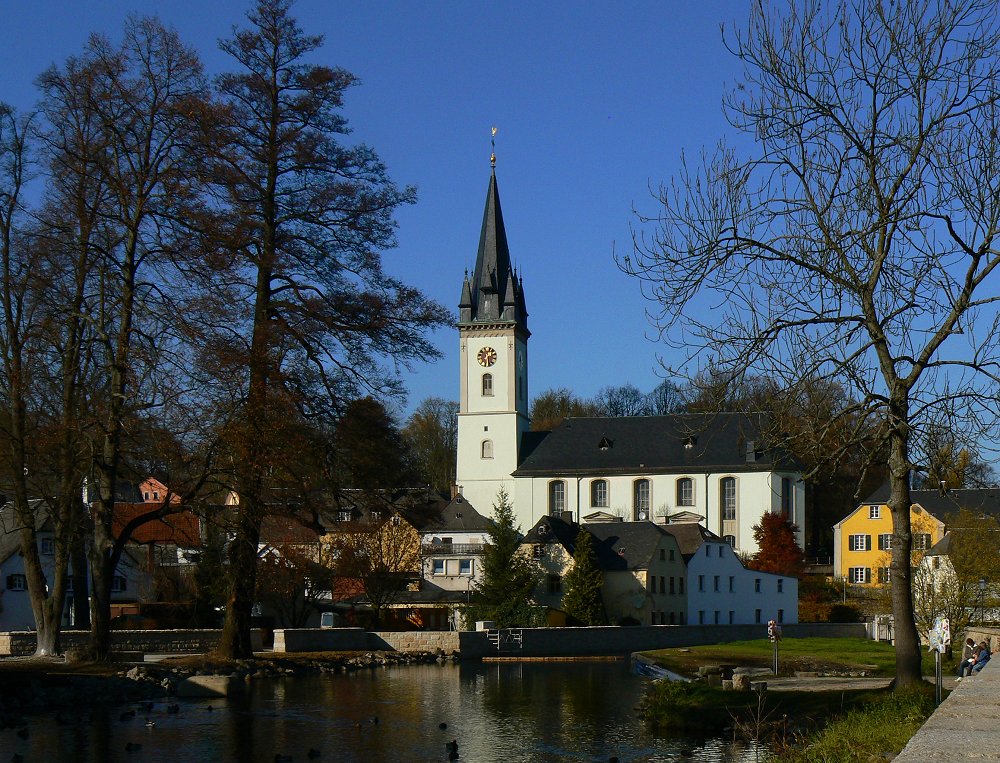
pixel 487 385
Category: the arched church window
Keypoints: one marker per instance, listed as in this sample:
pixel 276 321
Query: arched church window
pixel 599 493
pixel 557 497
pixel 487 385
pixel 487 450
pixel 727 497
pixel 640 500
pixel 685 491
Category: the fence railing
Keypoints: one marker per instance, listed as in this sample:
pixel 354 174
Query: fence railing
pixel 451 549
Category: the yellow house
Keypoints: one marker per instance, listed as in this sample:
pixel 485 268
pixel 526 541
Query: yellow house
pixel 862 541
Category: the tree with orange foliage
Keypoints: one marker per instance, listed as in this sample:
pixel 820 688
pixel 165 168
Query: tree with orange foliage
pixel 778 551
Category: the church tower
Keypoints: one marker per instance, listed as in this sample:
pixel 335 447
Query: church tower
pixel 493 336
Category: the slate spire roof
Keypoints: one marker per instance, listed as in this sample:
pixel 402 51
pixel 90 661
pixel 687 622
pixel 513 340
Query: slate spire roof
pixel 494 292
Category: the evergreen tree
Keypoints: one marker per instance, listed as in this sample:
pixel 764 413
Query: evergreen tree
pixel 503 594
pixel 582 599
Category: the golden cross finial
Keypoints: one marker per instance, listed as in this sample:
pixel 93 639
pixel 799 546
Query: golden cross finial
pixel 493 147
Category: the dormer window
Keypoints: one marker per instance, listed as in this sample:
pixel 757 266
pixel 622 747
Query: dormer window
pixel 605 444
pixel 690 441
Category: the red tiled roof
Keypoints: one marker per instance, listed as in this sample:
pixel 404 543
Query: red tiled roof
pixel 182 528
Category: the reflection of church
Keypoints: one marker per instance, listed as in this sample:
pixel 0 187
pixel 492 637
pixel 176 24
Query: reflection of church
pixel 685 467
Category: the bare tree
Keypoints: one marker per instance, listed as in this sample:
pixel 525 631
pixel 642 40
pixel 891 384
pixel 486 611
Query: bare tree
pixel 851 236
pixel 432 434
pixel 305 217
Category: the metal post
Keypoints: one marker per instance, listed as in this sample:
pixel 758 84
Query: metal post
pixel 937 678
pixel 775 642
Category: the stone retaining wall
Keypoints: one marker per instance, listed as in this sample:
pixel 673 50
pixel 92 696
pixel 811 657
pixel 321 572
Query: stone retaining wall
pixel 193 641
pixel 964 726
pixel 358 640
pixel 545 642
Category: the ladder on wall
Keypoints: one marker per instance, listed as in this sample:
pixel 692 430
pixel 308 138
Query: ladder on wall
pixel 506 640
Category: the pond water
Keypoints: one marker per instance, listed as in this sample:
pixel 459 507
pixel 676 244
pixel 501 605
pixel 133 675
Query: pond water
pixel 508 712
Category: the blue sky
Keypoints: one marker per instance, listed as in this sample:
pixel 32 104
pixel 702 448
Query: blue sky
pixel 593 103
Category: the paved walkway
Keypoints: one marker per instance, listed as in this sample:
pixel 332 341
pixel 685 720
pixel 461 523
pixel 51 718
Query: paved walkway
pixel 814 683
pixel 965 726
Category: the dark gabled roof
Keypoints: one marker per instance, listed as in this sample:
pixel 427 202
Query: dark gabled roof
pixel 690 537
pixel 942 547
pixel 948 503
pixel 647 444
pixel 625 545
pixel 456 515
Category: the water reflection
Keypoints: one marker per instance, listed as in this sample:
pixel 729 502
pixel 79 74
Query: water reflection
pixel 497 712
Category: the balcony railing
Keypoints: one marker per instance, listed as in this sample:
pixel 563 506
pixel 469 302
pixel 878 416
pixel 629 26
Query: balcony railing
pixel 451 549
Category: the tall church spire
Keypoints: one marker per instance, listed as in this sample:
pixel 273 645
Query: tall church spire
pixel 494 293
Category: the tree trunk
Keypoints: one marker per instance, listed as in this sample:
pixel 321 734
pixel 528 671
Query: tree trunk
pixel 100 605
pixel 908 654
pixel 235 642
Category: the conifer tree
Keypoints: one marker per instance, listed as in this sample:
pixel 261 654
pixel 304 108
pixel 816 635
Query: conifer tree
pixel 503 594
pixel 582 599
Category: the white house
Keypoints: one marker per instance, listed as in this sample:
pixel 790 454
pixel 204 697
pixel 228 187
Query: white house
pixel 452 537
pixel 130 584
pixel 721 591
pixel 715 466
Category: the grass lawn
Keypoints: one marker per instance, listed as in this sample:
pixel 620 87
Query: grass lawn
pixel 794 654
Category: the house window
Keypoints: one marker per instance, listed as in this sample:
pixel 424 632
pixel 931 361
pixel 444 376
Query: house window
pixel 464 566
pixel 716 617
pixel 156 496
pixel 438 568
pixel 708 550
pixel 680 586
pixel 715 584
pixel 756 616
pixel 701 617
pixel 732 582
pixel 554 584
pixel 599 493
pixel 557 497
pixel 859 574
pixel 685 491
pixel 756 585
pixel 874 512
pixel 921 541
pixel 663 555
pixel 487 449
pixel 732 617
pixel 730 539
pixel 663 584
pixel 883 575
pixel 672 586
pixel 727 496
pixel 640 495
pixel 671 555
pixel 673 618
pixel 17 583
pixel 859 543
pixel 343 516
pixel 781 585
pixel 701 582
pixel 48 546
pixel 787 503
pixel 118 584
pixel 487 385
pixel 885 542
pixel 538 551
pixel 145 496
pixel 781 615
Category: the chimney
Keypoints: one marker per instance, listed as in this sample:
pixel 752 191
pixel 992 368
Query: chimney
pixel 566 516
pixel 455 492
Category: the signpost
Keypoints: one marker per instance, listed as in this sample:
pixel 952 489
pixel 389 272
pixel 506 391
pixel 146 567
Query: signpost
pixel 939 639
pixel 774 633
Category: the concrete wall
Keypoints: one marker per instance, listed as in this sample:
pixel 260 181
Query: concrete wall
pixel 546 642
pixel 593 642
pixel 152 641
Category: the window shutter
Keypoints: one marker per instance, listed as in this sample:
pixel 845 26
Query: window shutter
pixel 868 543
pixel 868 574
pixel 10 582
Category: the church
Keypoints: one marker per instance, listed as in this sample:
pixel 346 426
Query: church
pixel 712 469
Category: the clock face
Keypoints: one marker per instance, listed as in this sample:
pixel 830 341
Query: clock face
pixel 487 357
